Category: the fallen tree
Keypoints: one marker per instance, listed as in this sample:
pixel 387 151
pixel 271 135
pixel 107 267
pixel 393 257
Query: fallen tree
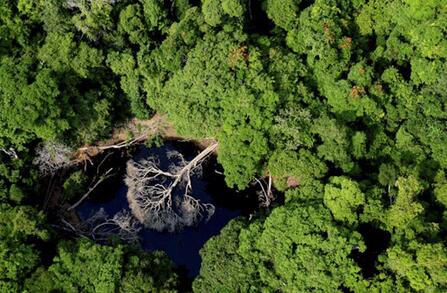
pixel 162 200
pixel 53 156
pixel 102 178
pixel 100 227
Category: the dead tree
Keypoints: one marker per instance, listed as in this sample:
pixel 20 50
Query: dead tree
pixel 52 156
pixel 77 4
pixel 100 227
pixel 265 195
pixel 162 200
pixel 123 144
pixel 10 152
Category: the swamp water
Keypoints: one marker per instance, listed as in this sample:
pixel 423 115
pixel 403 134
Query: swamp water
pixel 183 246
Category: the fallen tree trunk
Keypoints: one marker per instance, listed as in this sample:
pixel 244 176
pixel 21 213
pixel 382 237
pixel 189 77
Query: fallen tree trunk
pixel 162 200
pixel 100 180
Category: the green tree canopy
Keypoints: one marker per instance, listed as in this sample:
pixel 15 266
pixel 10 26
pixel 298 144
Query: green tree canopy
pixel 88 267
pixel 279 254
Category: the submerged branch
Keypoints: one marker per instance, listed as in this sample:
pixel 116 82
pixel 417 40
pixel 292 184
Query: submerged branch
pixel 100 180
pixel 161 199
pixel 100 227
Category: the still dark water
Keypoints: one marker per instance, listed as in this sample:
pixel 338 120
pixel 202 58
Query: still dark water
pixel 182 247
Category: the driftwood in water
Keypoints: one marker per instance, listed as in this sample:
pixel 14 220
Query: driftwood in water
pixel 100 227
pixel 162 200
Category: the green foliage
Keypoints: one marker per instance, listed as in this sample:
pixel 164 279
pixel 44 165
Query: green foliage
pixel 21 222
pixel 131 23
pixel 405 208
pixel 16 194
pixel 241 154
pixel 292 129
pixel 88 267
pixel 181 7
pixel 223 270
pixel 148 273
pixel 28 109
pixel 57 88
pixel 17 179
pixel 18 257
pixel 94 19
pixel 359 145
pixel 423 266
pixel 335 142
pixel 213 12
pixel 343 197
pixel 279 254
pixel 60 53
pixel 208 92
pixel 302 166
pixel 14 27
pixel 235 8
pixel 41 281
pixel 343 102
pixel 75 185
pixel 441 189
pixel 124 64
pixel 17 260
pixel 222 12
pixel 284 247
pixel 283 12
pixel 155 14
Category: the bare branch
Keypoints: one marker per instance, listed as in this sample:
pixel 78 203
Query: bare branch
pixel 100 180
pixel 72 228
pixel 265 195
pixel 10 152
pixel 120 145
pixel 53 156
pixel 162 200
pixel 100 227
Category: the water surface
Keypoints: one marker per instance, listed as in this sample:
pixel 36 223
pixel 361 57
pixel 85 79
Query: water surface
pixel 182 247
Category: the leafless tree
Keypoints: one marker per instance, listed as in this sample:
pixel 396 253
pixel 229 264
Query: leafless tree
pixel 265 195
pixel 162 200
pixel 71 4
pixel 10 152
pixel 53 156
pixel 100 227
pixel 123 144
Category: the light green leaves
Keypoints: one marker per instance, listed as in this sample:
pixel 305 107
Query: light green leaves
pixel 213 12
pixel 284 247
pixel 405 207
pixel 283 12
pixel 424 266
pixel 155 14
pixel 235 8
pixel 343 197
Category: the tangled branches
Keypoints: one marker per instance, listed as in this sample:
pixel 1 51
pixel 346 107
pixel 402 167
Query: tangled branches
pixel 162 200
pixel 52 156
pixel 100 227
pixel 77 4
pixel 265 195
pixel 10 152
pixel 100 180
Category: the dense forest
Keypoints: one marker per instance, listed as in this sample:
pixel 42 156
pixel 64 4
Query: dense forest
pixel 342 102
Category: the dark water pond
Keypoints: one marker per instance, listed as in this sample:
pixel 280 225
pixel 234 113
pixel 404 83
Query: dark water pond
pixel 182 247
